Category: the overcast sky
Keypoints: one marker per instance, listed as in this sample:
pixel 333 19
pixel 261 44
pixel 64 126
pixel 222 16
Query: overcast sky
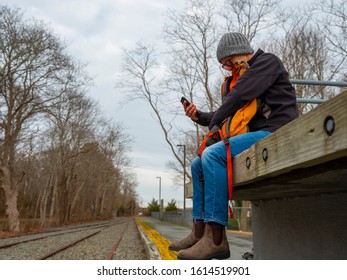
pixel 95 32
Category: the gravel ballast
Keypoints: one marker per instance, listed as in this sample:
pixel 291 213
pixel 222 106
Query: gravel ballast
pixel 97 247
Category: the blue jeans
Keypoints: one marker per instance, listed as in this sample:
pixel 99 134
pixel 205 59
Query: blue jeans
pixel 210 196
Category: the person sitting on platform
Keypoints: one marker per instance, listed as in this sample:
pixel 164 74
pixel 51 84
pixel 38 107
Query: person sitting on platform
pixel 265 79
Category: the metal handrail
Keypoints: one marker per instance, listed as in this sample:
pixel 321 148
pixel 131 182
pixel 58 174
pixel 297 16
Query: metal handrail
pixel 311 101
pixel 318 83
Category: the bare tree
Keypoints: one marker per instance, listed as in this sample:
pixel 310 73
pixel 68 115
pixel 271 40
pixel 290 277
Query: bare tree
pixel 191 37
pixel 305 53
pixel 129 195
pixel 140 68
pixel 250 17
pixel 332 22
pixel 111 163
pixel 34 71
pixel 73 120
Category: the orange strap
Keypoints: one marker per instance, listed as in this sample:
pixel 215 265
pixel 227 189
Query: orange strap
pixel 230 176
pixel 203 144
pixel 215 134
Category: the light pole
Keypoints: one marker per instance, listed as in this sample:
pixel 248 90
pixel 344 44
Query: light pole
pixel 184 177
pixel 159 196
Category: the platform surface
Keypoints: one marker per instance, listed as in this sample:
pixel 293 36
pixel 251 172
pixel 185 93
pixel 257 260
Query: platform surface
pixel 239 243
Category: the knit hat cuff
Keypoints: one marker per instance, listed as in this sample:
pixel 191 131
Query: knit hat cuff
pixel 240 49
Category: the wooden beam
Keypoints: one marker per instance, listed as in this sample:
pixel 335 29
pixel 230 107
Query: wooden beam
pixel 315 138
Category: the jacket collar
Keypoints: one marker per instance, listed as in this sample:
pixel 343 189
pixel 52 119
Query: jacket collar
pixel 254 57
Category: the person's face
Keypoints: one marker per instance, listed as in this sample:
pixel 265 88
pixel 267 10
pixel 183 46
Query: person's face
pixel 227 63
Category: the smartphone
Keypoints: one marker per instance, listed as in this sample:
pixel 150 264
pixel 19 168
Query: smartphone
pixel 198 114
pixel 185 99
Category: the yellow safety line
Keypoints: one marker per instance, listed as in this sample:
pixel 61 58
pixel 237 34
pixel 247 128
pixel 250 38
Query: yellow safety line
pixel 159 241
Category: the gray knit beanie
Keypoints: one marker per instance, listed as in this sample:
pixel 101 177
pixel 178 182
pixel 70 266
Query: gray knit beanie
pixel 233 43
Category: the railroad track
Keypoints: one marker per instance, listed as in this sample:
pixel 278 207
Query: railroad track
pixel 92 241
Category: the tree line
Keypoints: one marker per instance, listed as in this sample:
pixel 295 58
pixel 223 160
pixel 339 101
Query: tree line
pixel 60 159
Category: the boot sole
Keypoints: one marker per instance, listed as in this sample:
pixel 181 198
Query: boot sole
pixel 218 256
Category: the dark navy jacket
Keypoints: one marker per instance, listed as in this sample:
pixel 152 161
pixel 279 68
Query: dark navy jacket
pixel 267 80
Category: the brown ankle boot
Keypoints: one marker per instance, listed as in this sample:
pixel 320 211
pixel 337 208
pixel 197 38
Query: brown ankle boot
pixel 191 239
pixel 206 249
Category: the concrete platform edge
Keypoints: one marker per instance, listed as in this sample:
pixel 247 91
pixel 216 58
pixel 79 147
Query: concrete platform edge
pixel 151 250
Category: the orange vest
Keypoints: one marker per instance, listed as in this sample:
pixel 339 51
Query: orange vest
pixel 237 124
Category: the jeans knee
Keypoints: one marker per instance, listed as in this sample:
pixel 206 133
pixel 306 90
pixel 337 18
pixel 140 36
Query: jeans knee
pixel 208 152
pixel 196 164
pixel 211 152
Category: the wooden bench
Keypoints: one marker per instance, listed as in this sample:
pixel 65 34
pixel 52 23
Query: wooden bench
pixel 296 179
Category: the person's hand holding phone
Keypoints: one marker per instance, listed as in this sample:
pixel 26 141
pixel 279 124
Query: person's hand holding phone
pixel 189 108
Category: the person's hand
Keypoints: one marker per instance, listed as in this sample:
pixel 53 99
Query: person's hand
pixel 190 111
